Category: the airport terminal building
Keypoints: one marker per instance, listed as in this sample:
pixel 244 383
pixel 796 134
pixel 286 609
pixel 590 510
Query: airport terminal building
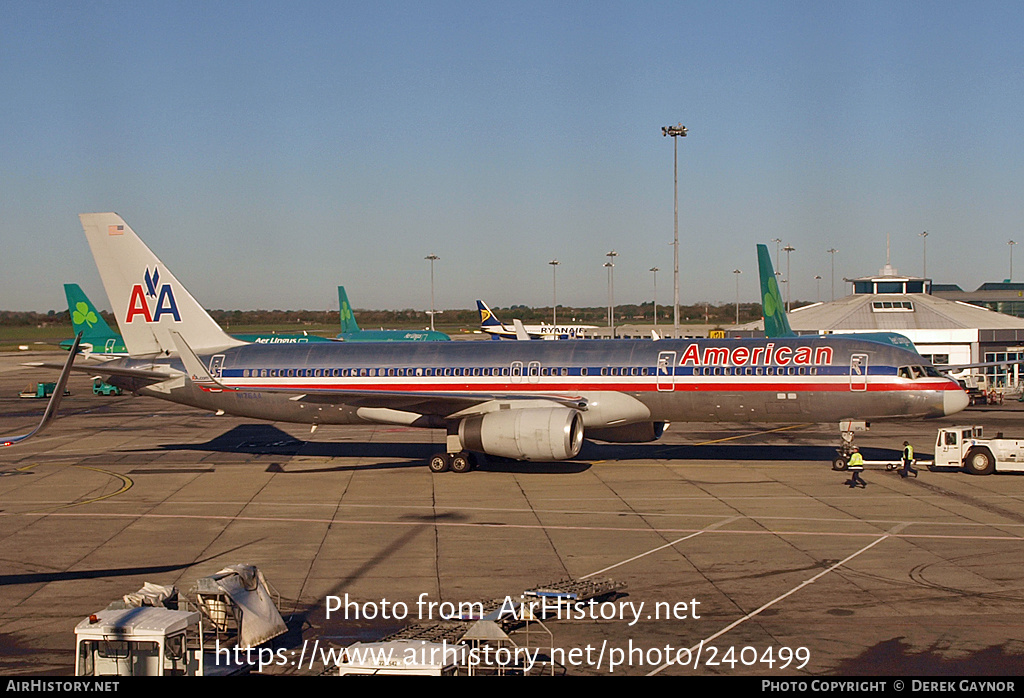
pixel 945 331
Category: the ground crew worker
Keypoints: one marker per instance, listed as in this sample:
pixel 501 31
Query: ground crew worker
pixel 908 460
pixel 856 467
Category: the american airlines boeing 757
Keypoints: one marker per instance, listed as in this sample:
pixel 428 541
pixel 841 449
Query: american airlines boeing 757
pixel 520 400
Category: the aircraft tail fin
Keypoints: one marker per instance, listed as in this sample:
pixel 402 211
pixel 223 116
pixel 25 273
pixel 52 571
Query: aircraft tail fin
pixel 85 319
pixel 348 319
pixel 775 322
pixel 148 301
pixel 487 318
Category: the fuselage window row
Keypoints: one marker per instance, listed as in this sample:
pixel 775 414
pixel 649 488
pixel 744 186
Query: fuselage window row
pixel 535 371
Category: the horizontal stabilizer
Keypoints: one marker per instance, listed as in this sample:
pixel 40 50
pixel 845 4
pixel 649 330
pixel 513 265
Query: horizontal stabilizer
pixel 197 373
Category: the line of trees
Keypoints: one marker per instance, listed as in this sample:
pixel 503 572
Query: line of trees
pixel 643 314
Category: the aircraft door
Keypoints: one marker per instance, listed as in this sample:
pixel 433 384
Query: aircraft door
pixel 533 371
pixel 947 448
pixel 516 371
pixel 666 371
pixel 108 347
pixel 859 372
pixel 216 365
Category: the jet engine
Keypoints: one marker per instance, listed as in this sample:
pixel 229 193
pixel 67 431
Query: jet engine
pixel 638 433
pixel 536 433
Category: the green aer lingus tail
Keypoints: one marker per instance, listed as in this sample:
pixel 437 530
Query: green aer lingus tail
pixel 776 322
pixel 97 337
pixel 351 332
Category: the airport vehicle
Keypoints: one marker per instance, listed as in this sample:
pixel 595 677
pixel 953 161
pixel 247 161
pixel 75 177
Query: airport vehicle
pixel 100 387
pixel 144 641
pixel 519 400
pixel 966 447
pixel 351 332
pixel 490 324
pixel 40 391
pixel 153 632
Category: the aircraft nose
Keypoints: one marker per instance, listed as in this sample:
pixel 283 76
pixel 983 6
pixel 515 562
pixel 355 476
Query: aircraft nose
pixel 954 401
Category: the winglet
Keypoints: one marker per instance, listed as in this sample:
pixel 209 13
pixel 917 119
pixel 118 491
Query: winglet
pixel 348 319
pixel 775 322
pixel 521 332
pixel 51 407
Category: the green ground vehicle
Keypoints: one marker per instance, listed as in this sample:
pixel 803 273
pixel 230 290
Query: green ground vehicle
pixel 101 388
pixel 40 390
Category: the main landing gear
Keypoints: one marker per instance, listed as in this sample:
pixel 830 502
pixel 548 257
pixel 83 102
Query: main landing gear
pixel 461 462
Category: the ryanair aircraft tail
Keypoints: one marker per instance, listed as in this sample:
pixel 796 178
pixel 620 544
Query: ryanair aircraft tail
pixel 490 324
pixel 148 301
pixel 775 322
pixel 348 318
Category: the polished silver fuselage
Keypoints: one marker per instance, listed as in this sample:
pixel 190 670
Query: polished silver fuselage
pixel 760 380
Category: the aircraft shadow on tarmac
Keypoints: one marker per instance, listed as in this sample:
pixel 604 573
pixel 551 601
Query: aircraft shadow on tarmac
pixel 896 658
pixel 268 440
pixel 105 573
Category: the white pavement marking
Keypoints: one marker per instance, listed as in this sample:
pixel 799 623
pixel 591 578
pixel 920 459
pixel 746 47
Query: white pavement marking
pixel 774 601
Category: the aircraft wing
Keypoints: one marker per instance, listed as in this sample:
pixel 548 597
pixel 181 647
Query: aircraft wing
pixel 445 404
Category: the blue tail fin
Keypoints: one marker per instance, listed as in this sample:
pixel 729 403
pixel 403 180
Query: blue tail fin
pixel 487 318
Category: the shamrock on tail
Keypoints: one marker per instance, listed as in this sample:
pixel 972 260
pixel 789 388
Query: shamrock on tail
pixel 83 314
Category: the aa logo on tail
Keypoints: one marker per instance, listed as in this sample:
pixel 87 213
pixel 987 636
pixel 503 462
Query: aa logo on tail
pixel 163 295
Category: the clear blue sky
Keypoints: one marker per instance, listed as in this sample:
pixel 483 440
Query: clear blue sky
pixel 268 152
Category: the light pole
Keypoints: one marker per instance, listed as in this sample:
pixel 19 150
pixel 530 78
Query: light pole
pixel 817 282
pixel 610 264
pixel 787 249
pixel 1011 243
pixel 833 253
pixel 778 269
pixel 675 131
pixel 554 292
pixel 655 270
pixel 737 272
pixel 432 258
pixel 924 254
